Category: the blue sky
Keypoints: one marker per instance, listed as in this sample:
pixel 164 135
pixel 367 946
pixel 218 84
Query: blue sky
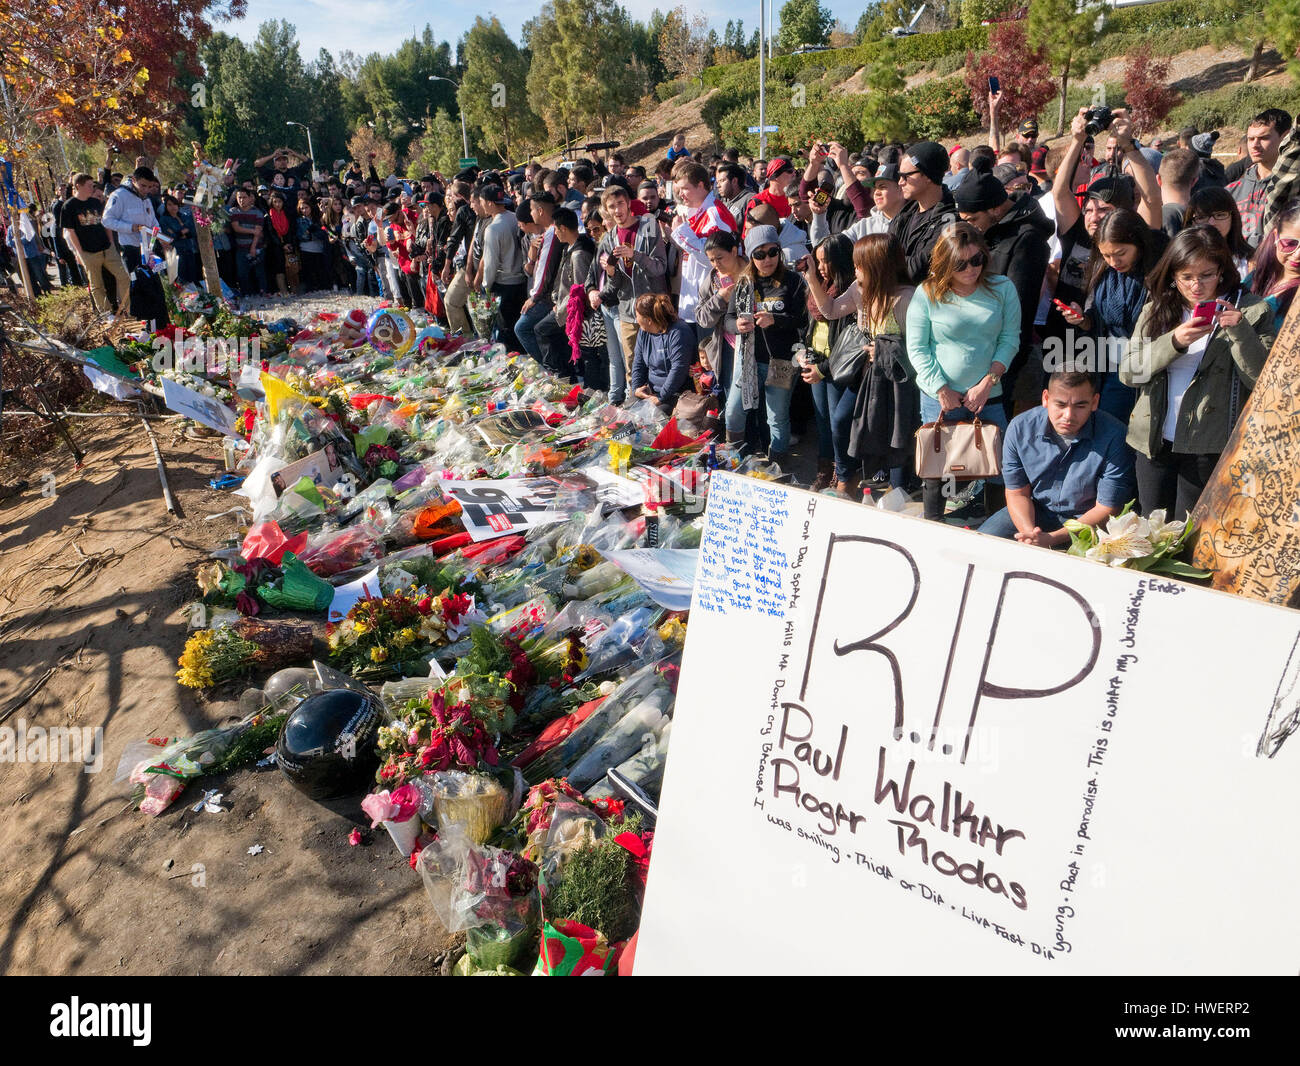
pixel 365 26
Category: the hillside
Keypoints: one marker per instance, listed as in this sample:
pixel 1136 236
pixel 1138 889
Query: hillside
pixel 1208 77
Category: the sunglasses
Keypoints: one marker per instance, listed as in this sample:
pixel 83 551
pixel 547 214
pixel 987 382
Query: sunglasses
pixel 907 175
pixel 977 260
pixel 1287 245
pixel 760 255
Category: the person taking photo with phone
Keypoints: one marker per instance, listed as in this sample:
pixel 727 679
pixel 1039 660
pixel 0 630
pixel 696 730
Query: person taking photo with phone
pixel 1199 345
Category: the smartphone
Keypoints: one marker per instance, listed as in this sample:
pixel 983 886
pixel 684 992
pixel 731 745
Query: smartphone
pixel 821 197
pixel 995 86
pixel 1060 306
pixel 1205 311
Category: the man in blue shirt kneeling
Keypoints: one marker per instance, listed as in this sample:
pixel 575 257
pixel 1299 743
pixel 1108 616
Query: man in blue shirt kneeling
pixel 1060 461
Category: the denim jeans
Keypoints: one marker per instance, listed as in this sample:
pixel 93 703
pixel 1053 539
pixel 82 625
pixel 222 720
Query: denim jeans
pixel 1000 524
pixel 251 269
pixel 526 328
pixel 825 443
pixel 840 403
pixel 617 368
pixel 778 410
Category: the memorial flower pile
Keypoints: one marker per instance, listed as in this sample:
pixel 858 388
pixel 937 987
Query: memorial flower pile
pixel 395 631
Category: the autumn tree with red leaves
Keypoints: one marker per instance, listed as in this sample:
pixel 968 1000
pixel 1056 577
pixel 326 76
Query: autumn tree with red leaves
pixel 1025 79
pixel 1148 98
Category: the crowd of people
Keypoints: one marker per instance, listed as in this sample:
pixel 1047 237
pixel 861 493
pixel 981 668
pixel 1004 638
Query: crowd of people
pixel 1108 313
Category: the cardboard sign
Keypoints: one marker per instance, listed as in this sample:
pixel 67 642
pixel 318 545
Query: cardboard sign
pixel 1248 517
pixel 321 466
pixel 921 750
pixel 496 508
pixel 203 409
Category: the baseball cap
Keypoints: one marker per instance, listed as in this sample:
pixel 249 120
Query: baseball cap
pixel 887 172
pixel 1117 191
pixel 356 201
pixel 1030 125
pixel 492 193
pixel 777 167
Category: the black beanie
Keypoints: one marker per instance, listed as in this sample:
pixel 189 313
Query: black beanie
pixel 930 159
pixel 979 192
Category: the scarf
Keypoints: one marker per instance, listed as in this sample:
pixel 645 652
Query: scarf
pixel 280 221
pixel 744 353
pixel 573 314
pixel 1116 303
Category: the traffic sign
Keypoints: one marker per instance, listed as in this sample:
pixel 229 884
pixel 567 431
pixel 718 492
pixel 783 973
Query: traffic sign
pixel 468 161
pixel 765 129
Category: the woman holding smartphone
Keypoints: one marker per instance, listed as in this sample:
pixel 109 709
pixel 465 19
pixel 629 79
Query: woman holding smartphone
pixel 873 419
pixel 963 329
pixel 771 318
pixel 1122 256
pixel 716 310
pixel 1199 345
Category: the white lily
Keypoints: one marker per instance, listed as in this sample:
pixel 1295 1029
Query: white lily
pixel 1161 531
pixel 1122 539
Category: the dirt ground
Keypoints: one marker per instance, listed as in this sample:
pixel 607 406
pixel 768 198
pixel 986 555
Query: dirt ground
pixel 92 571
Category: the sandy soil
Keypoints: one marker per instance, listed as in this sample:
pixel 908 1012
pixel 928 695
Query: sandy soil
pixel 91 576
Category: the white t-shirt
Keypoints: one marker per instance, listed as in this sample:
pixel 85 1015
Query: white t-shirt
pixel 1181 372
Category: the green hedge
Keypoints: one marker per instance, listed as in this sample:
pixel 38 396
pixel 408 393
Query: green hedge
pixel 941 108
pixel 1232 105
pixel 666 90
pixel 1176 14
pixel 1163 42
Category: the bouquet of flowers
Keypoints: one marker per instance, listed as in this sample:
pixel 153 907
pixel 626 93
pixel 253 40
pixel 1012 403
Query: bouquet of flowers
pixel 389 634
pixel 215 656
pixel 482 307
pixel 433 736
pixel 200 385
pixel 1149 544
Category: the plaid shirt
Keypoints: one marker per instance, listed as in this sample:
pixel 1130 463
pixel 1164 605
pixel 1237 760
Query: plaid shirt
pixel 1286 178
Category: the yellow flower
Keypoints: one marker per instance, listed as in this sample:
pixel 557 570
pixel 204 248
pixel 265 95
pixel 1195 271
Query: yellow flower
pixel 378 655
pixel 405 636
pixel 360 628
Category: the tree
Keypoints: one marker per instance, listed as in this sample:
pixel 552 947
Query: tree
pixel 683 44
pixel 365 141
pixel 1024 77
pixel 69 66
pixel 393 91
pixel 803 22
pixel 437 149
pixel 884 115
pixel 977 12
pixel 493 90
pixel 1066 34
pixel 1255 24
pixel 546 81
pixel 1146 95
pixel 841 36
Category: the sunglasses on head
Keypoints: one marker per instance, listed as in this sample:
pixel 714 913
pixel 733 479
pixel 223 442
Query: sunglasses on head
pixel 759 255
pixel 976 260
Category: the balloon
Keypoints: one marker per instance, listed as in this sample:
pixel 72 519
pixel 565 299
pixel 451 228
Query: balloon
pixel 390 331
pixel 431 332
pixel 327 744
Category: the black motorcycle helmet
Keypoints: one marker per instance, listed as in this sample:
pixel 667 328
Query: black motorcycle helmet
pixel 327 746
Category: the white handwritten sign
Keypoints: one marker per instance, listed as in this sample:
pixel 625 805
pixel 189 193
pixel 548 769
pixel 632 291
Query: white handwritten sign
pixel 933 751
pixel 203 409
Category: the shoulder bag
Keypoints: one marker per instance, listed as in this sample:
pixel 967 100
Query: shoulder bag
pixel 964 451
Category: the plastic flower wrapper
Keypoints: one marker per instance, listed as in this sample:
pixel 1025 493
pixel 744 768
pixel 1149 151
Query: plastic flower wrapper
pixel 1136 543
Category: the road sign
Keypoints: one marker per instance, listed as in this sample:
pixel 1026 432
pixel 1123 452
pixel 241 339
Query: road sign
pixel 765 129
pixel 468 161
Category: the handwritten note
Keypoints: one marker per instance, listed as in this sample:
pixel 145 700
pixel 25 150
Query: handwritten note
pixel 744 562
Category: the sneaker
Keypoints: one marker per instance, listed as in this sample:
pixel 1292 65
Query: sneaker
pixel 964 498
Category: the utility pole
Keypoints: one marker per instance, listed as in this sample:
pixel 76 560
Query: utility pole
pixel 762 81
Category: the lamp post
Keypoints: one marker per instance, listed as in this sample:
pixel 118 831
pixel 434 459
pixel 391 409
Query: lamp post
pixel 762 82
pixel 310 150
pixel 464 136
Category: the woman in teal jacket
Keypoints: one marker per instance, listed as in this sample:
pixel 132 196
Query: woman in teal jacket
pixel 963 329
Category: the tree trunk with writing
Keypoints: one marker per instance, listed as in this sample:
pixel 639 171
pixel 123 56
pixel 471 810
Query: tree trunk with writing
pixel 208 257
pixel 1248 517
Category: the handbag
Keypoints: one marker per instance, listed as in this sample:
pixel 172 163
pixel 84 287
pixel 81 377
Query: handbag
pixel 848 356
pixel 593 330
pixel 780 373
pixel 964 451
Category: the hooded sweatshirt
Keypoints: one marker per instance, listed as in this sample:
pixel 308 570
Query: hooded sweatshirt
pixel 1018 249
pixel 125 209
pixel 917 231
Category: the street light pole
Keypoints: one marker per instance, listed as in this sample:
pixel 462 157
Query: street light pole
pixel 310 150
pixel 762 82
pixel 464 134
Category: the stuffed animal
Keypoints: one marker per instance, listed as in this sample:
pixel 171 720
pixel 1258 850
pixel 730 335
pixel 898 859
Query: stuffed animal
pixel 210 179
pixel 352 331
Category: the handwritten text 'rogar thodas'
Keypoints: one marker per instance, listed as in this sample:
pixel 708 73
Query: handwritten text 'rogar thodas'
pixel 923 820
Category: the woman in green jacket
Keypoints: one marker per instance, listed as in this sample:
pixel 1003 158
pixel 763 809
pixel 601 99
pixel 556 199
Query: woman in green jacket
pixel 1198 347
